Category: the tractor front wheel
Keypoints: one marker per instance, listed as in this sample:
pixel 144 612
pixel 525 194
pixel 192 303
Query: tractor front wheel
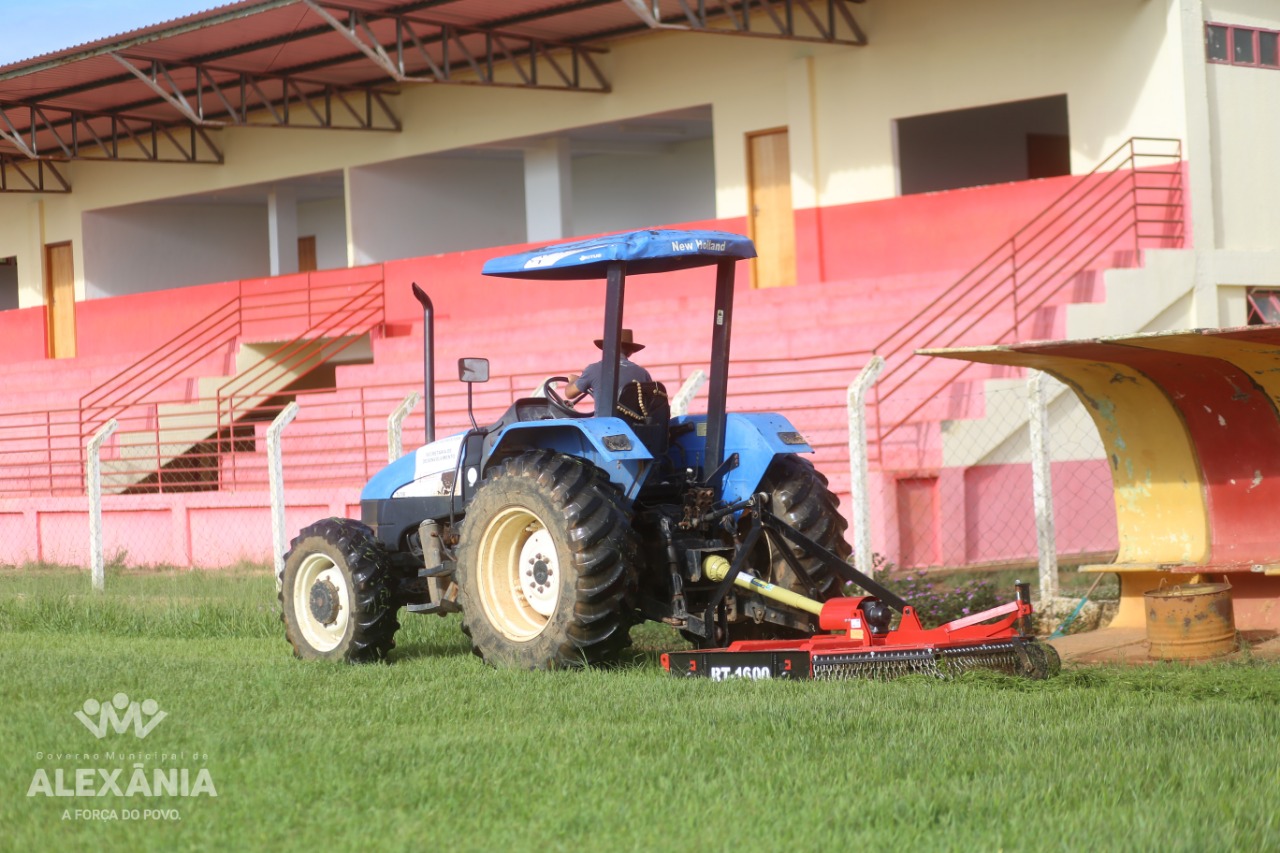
pixel 546 565
pixel 336 594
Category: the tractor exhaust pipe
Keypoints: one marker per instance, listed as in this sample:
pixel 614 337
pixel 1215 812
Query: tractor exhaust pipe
pixel 428 363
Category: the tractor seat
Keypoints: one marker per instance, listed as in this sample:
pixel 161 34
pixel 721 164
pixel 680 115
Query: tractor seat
pixel 646 407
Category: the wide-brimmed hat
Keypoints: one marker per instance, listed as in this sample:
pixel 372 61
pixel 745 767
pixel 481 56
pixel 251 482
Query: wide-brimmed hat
pixel 626 342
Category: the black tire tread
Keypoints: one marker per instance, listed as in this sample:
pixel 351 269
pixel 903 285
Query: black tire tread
pixel 800 496
pixel 367 564
pixel 597 531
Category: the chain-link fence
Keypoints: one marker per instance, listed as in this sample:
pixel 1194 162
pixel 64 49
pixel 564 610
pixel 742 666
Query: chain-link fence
pixel 968 499
pixel 964 500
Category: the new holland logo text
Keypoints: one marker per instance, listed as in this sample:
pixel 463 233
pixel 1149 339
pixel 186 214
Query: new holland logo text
pixel 119 715
pixel 698 245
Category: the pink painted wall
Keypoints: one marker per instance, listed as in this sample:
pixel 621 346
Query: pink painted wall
pixel 22 334
pixel 931 237
pixel 914 234
pixel 203 529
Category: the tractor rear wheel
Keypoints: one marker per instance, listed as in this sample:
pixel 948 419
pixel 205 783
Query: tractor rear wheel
pixel 336 594
pixel 800 496
pixel 546 565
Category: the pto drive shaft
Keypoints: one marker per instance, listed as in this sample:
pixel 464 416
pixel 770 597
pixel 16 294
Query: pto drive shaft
pixel 716 568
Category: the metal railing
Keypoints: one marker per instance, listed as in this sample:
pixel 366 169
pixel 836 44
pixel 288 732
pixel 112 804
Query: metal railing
pixel 173 436
pixel 324 340
pixel 1131 201
pixel 41 454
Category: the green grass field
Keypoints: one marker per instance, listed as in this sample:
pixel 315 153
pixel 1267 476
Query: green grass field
pixel 438 751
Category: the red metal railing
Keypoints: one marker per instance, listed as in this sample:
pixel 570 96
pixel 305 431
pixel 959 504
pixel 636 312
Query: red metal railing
pixel 327 337
pixel 339 438
pixel 1131 201
pixel 40 453
pixel 172 437
pixel 1263 307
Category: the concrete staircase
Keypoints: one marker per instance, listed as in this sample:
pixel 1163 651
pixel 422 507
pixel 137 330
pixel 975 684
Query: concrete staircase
pixel 1154 297
pixel 176 444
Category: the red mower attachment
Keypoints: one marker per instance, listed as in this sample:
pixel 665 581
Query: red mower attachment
pixel 863 645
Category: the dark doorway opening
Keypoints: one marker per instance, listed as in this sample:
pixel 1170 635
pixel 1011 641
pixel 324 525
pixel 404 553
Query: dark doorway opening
pixel 994 144
pixel 8 283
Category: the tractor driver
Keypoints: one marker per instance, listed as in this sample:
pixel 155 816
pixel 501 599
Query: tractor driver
pixel 628 371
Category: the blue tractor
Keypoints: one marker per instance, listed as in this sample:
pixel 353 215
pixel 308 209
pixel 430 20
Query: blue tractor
pixel 554 530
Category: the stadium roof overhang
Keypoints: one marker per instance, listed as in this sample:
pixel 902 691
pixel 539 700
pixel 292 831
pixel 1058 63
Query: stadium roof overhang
pixel 160 94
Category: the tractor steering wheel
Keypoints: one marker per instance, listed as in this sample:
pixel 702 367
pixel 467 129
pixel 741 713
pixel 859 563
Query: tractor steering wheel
pixel 559 403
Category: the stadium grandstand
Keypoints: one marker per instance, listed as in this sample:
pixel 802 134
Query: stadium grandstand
pixel 210 217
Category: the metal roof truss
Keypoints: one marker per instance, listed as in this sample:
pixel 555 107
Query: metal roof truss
pixel 212 97
pixel 832 21
pixel 101 117
pixel 429 51
pixel 31 176
pixel 53 133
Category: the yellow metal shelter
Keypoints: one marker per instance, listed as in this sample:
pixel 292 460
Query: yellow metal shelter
pixel 1190 422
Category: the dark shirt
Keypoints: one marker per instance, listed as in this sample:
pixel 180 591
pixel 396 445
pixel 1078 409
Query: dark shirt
pixel 628 371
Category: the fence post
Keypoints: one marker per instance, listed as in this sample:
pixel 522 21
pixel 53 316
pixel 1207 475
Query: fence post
pixel 859 490
pixel 394 423
pixel 1042 486
pixel 537 390
pixel 684 397
pixel 275 471
pixel 93 485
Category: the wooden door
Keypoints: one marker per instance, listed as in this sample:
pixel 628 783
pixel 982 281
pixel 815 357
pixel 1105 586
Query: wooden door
pixel 60 300
pixel 770 218
pixel 307 254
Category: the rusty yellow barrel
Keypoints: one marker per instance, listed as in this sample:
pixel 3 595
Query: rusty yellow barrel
pixel 1190 621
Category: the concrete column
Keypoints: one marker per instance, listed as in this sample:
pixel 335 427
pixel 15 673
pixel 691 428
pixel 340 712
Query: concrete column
pixel 1200 154
pixel 802 128
pixel 282 225
pixel 548 187
pixel 352 257
pixel 31 259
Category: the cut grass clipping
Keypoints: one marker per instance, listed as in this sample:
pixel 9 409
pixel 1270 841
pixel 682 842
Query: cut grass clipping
pixel 438 749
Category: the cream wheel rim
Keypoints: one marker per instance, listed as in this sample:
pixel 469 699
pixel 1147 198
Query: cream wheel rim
pixel 519 573
pixel 321 602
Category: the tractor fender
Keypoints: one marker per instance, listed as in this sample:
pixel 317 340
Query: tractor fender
pixel 608 443
pixel 757 438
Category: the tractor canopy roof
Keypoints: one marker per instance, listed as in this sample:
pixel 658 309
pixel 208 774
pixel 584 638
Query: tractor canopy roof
pixel 650 251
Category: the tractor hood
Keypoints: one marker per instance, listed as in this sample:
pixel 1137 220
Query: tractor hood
pixel 652 251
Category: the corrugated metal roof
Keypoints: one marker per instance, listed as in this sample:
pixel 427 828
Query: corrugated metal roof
pixel 216 65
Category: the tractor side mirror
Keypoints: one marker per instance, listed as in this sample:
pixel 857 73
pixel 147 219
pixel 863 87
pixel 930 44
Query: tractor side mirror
pixel 473 370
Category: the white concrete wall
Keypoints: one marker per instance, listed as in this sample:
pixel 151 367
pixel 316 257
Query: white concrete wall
pixel 1245 136
pixel 974 147
pixel 618 192
pixel 326 220
pixel 1118 61
pixel 22 236
pixel 428 205
pixel 156 246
